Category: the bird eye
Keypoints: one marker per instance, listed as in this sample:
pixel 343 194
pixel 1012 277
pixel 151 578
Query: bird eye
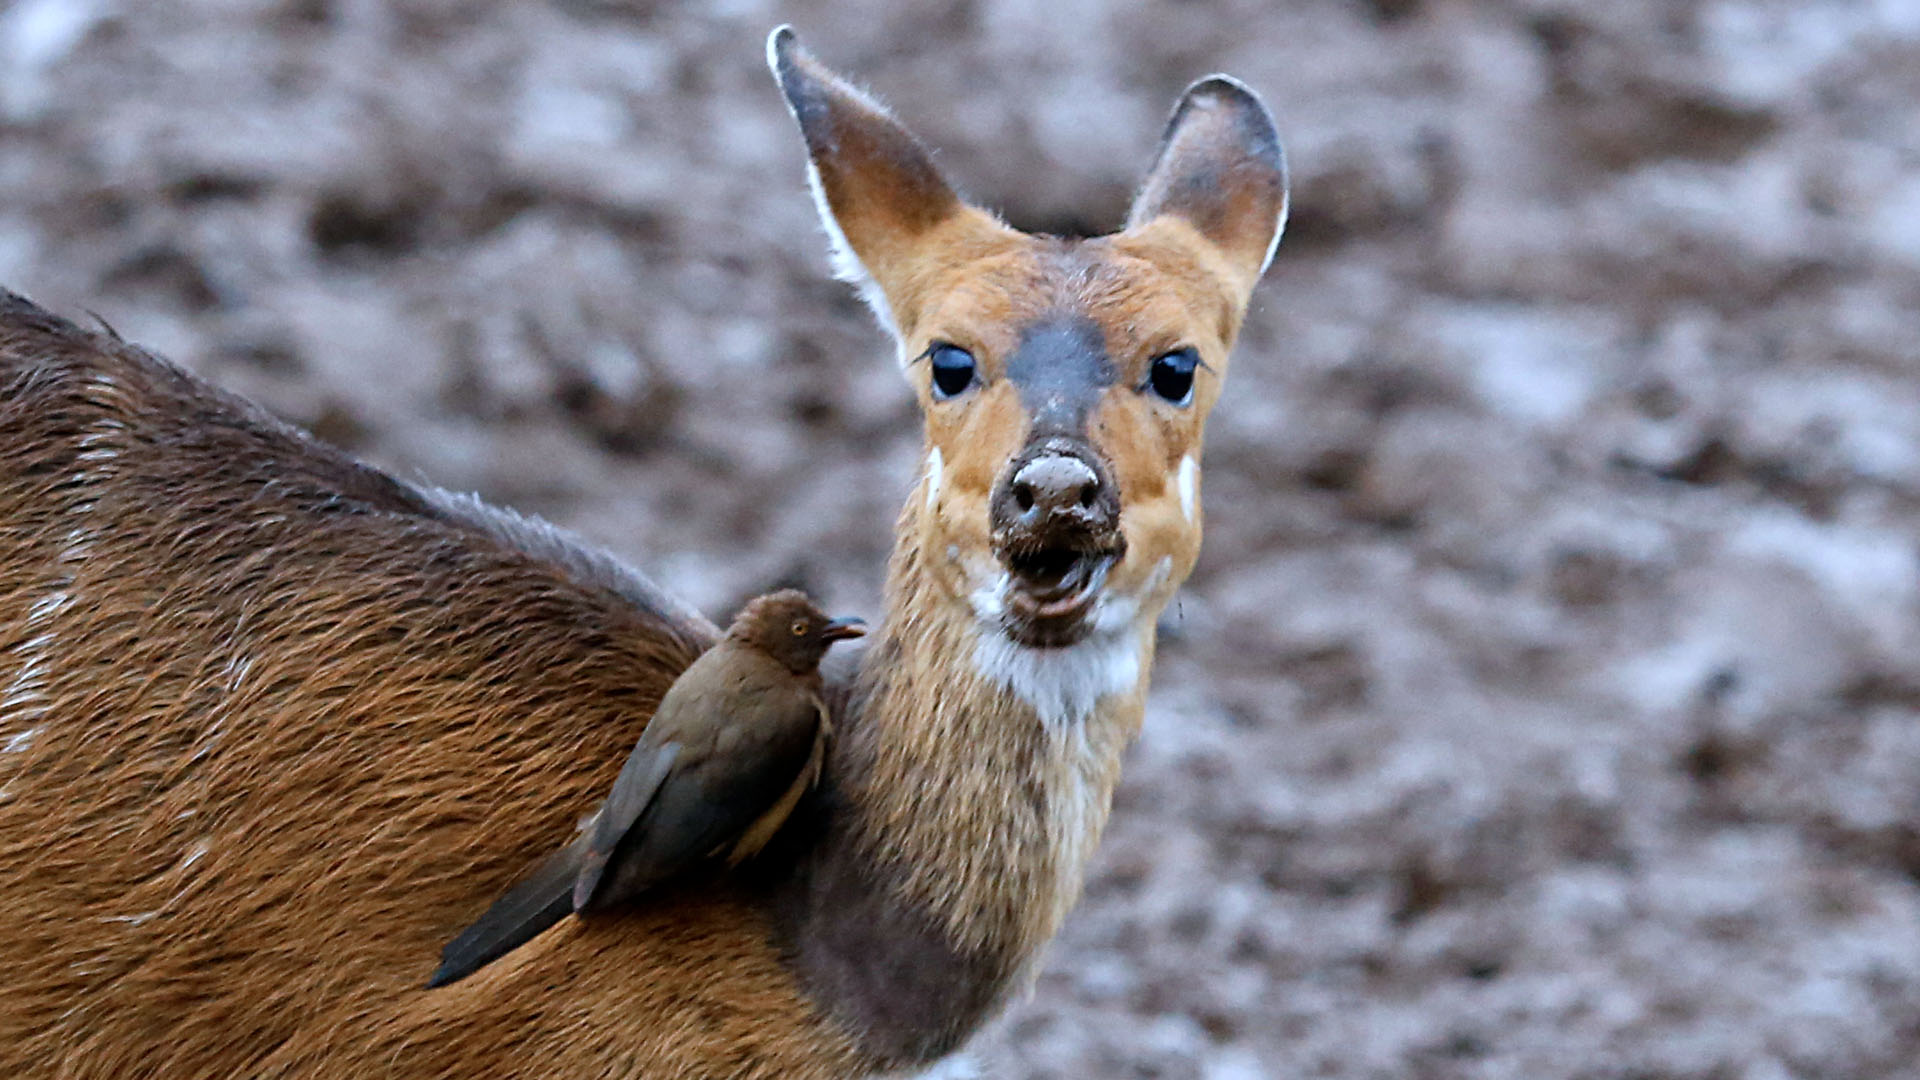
pixel 953 369
pixel 799 629
pixel 1171 375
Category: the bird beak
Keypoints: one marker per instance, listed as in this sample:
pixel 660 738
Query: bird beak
pixel 842 629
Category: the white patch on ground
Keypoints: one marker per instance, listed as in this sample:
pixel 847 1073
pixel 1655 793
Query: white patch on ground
pixel 1189 482
pixel 34 36
pixel 1534 366
pixel 1870 571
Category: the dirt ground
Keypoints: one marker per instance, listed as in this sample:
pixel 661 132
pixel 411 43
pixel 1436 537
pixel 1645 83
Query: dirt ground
pixel 1547 701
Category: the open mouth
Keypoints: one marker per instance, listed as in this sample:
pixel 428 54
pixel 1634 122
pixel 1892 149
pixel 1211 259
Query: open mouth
pixel 1052 590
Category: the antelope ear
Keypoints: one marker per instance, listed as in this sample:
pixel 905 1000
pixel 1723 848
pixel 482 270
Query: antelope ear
pixel 875 185
pixel 1222 170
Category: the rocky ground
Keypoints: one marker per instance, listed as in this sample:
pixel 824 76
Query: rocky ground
pixel 1547 701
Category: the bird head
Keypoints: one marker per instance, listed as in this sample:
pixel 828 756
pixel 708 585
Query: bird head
pixel 789 627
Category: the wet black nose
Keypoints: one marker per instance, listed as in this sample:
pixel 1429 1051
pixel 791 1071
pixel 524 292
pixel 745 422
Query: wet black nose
pixel 1054 495
pixel 1054 484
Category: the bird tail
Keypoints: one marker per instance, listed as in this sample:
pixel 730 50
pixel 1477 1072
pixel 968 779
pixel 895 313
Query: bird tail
pixel 542 898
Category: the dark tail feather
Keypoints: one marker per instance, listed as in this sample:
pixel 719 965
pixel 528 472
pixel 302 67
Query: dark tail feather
pixel 542 898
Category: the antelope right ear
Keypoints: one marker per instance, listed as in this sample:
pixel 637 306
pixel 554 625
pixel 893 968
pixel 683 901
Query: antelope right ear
pixel 1221 169
pixel 875 185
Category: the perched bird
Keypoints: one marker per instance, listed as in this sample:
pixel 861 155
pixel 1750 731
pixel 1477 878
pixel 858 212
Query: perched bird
pixel 736 741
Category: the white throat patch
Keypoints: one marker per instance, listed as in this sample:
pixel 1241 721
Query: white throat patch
pixel 1063 685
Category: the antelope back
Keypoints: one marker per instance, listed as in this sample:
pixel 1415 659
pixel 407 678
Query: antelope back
pixel 274 726
pixel 1065 384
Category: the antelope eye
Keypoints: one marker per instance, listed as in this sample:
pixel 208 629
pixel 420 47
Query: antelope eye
pixel 952 370
pixel 1171 375
pixel 799 629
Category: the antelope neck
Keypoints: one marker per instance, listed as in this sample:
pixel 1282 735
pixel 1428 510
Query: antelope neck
pixel 953 826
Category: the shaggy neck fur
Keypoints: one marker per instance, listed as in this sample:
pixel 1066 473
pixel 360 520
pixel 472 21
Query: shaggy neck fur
pixel 962 822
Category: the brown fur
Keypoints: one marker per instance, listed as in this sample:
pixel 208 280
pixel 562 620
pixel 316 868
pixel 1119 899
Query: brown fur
pixel 276 730
pixel 274 726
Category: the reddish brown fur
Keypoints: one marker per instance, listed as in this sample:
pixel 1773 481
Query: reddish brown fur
pixel 290 729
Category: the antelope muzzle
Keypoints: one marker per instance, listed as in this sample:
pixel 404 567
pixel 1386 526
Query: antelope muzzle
pixel 1056 529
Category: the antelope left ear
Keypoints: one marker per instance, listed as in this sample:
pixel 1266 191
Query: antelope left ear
pixel 878 192
pixel 1222 170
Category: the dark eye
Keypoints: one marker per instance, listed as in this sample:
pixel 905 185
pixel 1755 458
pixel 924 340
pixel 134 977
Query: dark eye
pixel 799 629
pixel 1171 375
pixel 952 370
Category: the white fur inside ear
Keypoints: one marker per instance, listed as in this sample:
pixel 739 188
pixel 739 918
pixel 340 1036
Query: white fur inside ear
pixel 846 265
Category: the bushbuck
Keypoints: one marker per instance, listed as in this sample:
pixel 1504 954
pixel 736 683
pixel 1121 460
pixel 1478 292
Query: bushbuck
pixel 274 726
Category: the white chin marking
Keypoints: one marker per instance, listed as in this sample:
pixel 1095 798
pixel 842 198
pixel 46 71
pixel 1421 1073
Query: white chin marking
pixel 933 477
pixel 1063 685
pixel 1189 485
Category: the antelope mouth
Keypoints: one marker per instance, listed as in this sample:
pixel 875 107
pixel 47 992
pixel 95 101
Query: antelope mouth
pixel 1052 590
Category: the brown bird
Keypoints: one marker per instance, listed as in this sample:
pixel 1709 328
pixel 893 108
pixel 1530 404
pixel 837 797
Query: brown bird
pixel 737 739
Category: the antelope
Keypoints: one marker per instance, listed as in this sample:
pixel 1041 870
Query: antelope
pixel 274 725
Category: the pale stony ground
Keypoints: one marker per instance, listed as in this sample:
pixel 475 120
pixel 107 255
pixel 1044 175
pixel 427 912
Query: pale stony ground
pixel 1547 702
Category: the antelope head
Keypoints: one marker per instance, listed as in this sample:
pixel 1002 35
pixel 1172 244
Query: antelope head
pixel 1065 383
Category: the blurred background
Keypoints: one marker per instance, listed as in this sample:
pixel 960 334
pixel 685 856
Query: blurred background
pixel 1547 701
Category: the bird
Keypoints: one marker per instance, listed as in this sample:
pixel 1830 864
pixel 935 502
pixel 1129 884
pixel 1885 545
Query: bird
pixel 736 741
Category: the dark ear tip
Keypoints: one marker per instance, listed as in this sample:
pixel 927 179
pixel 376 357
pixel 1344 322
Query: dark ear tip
pixel 803 82
pixel 1250 112
pixel 1220 84
pixel 781 44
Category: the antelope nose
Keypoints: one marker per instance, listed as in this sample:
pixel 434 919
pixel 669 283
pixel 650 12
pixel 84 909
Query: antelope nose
pixel 1055 498
pixel 1054 484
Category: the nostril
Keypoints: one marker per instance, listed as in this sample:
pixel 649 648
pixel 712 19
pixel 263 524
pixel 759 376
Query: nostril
pixel 1088 493
pixel 1023 496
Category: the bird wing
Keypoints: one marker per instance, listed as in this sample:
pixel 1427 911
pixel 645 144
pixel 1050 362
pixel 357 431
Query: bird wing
pixel 640 779
pixel 747 765
pixel 538 900
pixel 544 895
pixel 767 824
